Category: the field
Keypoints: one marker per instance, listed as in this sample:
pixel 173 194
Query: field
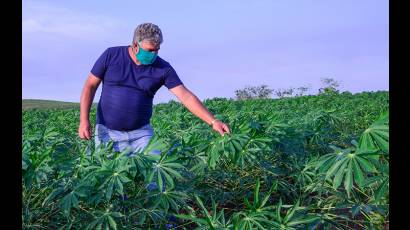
pixel 28 104
pixel 309 162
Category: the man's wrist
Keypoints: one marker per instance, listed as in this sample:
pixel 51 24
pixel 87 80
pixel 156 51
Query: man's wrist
pixel 212 121
pixel 85 120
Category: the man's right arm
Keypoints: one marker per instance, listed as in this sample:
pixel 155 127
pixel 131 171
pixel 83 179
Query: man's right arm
pixel 87 97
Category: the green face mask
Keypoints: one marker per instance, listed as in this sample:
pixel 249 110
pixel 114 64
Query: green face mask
pixel 145 57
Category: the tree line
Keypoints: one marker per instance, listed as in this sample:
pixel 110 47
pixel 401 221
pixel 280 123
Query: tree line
pixel 330 86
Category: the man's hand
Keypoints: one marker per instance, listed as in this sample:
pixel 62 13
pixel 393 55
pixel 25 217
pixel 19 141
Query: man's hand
pixel 220 127
pixel 84 131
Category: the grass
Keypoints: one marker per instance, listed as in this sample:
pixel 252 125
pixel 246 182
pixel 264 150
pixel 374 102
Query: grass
pixel 28 104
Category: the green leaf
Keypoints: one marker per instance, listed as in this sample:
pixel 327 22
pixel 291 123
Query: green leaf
pixel 205 212
pixel 213 209
pixel 278 216
pixel 333 169
pixel 348 181
pixel 164 202
pixel 66 202
pixel 247 204
pixel 92 224
pixel 117 214
pixel 173 173
pixel 231 148
pixel 325 162
pixel 367 152
pixel 112 222
pixel 124 179
pixel 266 198
pixel 256 194
pixel 109 190
pixel 199 201
pixel 187 217
pixel 52 195
pixel 74 200
pixel 381 143
pixel 305 220
pixel 340 173
pixel 358 173
pixel 381 191
pixel 376 136
pixel 366 141
pixel 365 164
pixel 169 180
pixel 174 205
pixel 159 178
pixel 237 145
pixel 150 176
pixel 291 212
pixel 118 186
pixel 172 165
pixel 258 225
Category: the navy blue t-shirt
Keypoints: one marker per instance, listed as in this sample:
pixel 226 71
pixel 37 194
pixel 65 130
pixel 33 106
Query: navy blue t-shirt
pixel 128 89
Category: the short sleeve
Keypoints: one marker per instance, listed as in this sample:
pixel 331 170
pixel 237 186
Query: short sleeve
pixel 171 79
pixel 100 66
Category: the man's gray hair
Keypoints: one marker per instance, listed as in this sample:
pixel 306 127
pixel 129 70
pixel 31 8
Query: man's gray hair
pixel 148 31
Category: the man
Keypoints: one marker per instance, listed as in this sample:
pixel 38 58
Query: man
pixel 131 76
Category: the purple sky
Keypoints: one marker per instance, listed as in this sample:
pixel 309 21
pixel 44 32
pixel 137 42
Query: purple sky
pixel 216 47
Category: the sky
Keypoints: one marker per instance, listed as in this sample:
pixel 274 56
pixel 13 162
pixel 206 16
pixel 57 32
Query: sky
pixel 216 47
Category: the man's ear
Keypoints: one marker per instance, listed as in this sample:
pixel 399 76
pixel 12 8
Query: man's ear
pixel 134 47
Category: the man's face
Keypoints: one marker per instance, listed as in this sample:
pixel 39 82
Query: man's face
pixel 148 46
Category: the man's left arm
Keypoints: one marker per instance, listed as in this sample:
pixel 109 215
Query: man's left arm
pixel 195 106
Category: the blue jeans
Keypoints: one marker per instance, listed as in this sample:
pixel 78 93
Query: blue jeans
pixel 130 141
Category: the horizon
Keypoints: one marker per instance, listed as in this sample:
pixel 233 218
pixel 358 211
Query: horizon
pixel 229 98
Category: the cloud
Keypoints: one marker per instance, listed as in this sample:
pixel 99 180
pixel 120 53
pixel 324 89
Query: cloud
pixel 47 20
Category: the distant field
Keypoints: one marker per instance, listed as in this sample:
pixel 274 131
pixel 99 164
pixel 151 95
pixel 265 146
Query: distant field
pixel 48 104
